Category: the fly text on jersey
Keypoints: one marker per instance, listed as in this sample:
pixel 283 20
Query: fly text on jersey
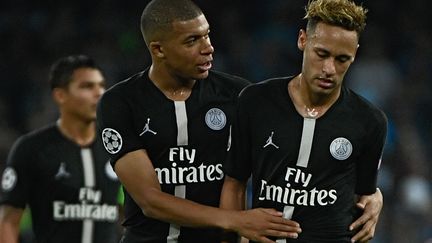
pixel 182 154
pixel 294 196
pixel 193 173
pixel 89 208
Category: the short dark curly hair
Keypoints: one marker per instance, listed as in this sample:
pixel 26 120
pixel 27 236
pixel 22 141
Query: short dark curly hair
pixel 158 16
pixel 62 70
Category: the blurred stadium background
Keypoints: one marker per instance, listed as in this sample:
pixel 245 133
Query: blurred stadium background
pixel 253 39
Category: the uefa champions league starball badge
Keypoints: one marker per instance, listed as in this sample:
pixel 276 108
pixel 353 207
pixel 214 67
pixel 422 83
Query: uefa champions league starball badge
pixel 112 140
pixel 9 179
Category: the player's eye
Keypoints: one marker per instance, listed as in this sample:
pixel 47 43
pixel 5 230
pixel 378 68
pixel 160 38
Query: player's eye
pixel 343 59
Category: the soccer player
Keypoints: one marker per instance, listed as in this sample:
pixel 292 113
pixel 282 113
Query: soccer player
pixel 310 144
pixel 62 171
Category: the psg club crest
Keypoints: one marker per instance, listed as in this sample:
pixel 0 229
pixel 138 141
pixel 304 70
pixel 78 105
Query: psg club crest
pixel 9 179
pixel 112 140
pixel 215 119
pixel 341 148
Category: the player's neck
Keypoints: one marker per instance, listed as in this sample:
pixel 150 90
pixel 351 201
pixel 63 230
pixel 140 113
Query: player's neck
pixel 172 87
pixel 82 133
pixel 307 103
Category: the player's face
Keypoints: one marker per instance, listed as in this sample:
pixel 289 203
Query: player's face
pixel 81 96
pixel 327 54
pixel 187 49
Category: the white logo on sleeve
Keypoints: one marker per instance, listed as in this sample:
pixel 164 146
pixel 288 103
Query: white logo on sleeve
pixel 112 140
pixel 9 179
pixel 341 148
pixel 215 118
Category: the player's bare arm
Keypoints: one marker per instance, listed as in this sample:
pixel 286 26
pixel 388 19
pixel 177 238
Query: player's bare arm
pixel 137 174
pixel 9 223
pixel 233 198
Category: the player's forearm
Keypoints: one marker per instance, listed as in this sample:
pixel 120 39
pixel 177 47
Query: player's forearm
pixel 168 208
pixel 137 174
pixel 8 234
pixel 255 224
pixel 232 197
pixel 233 194
pixel 9 224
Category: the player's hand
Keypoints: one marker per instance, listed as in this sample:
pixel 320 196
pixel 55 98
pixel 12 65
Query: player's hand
pixel 371 205
pixel 258 224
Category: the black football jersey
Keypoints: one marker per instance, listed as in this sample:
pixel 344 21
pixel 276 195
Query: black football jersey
pixel 308 168
pixel 185 140
pixel 72 191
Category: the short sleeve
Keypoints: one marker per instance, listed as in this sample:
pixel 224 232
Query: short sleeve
pixel 115 126
pixel 238 164
pixel 15 181
pixel 368 164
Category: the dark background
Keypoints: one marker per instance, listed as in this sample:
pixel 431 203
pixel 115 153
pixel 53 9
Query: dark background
pixel 253 39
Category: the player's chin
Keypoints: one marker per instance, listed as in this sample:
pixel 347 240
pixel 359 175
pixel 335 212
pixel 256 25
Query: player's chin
pixel 201 75
pixel 91 117
pixel 203 70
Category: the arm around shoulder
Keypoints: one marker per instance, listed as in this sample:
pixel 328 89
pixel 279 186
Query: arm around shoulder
pixel 136 172
pixel 138 176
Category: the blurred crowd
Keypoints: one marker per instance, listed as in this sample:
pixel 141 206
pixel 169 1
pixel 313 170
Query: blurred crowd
pixel 253 39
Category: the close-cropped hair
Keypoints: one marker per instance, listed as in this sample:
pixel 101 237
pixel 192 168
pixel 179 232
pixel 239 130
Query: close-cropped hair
pixel 158 16
pixel 342 13
pixel 62 70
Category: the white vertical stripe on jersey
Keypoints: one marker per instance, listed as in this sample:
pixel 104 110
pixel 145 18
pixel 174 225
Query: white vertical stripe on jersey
pixel 174 230
pixel 306 142
pixel 302 160
pixel 182 122
pixel 89 181
pixel 182 139
pixel 287 213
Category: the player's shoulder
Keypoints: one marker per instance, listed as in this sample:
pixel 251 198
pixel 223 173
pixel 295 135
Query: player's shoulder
pixel 364 107
pixel 266 87
pixel 127 85
pixel 226 80
pixel 38 138
pixel 123 90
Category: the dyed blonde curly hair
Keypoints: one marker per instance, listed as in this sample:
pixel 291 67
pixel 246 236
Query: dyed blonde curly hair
pixel 342 13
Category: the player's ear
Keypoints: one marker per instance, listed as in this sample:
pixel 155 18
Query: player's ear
pixel 156 49
pixel 59 95
pixel 301 41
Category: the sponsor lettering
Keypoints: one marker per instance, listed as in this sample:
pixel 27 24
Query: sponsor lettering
pixel 180 175
pixel 104 212
pixel 297 196
pixel 192 173
pixel 88 207
pixel 182 154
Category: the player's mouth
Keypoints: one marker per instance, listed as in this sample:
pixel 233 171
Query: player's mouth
pixel 204 67
pixel 325 83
